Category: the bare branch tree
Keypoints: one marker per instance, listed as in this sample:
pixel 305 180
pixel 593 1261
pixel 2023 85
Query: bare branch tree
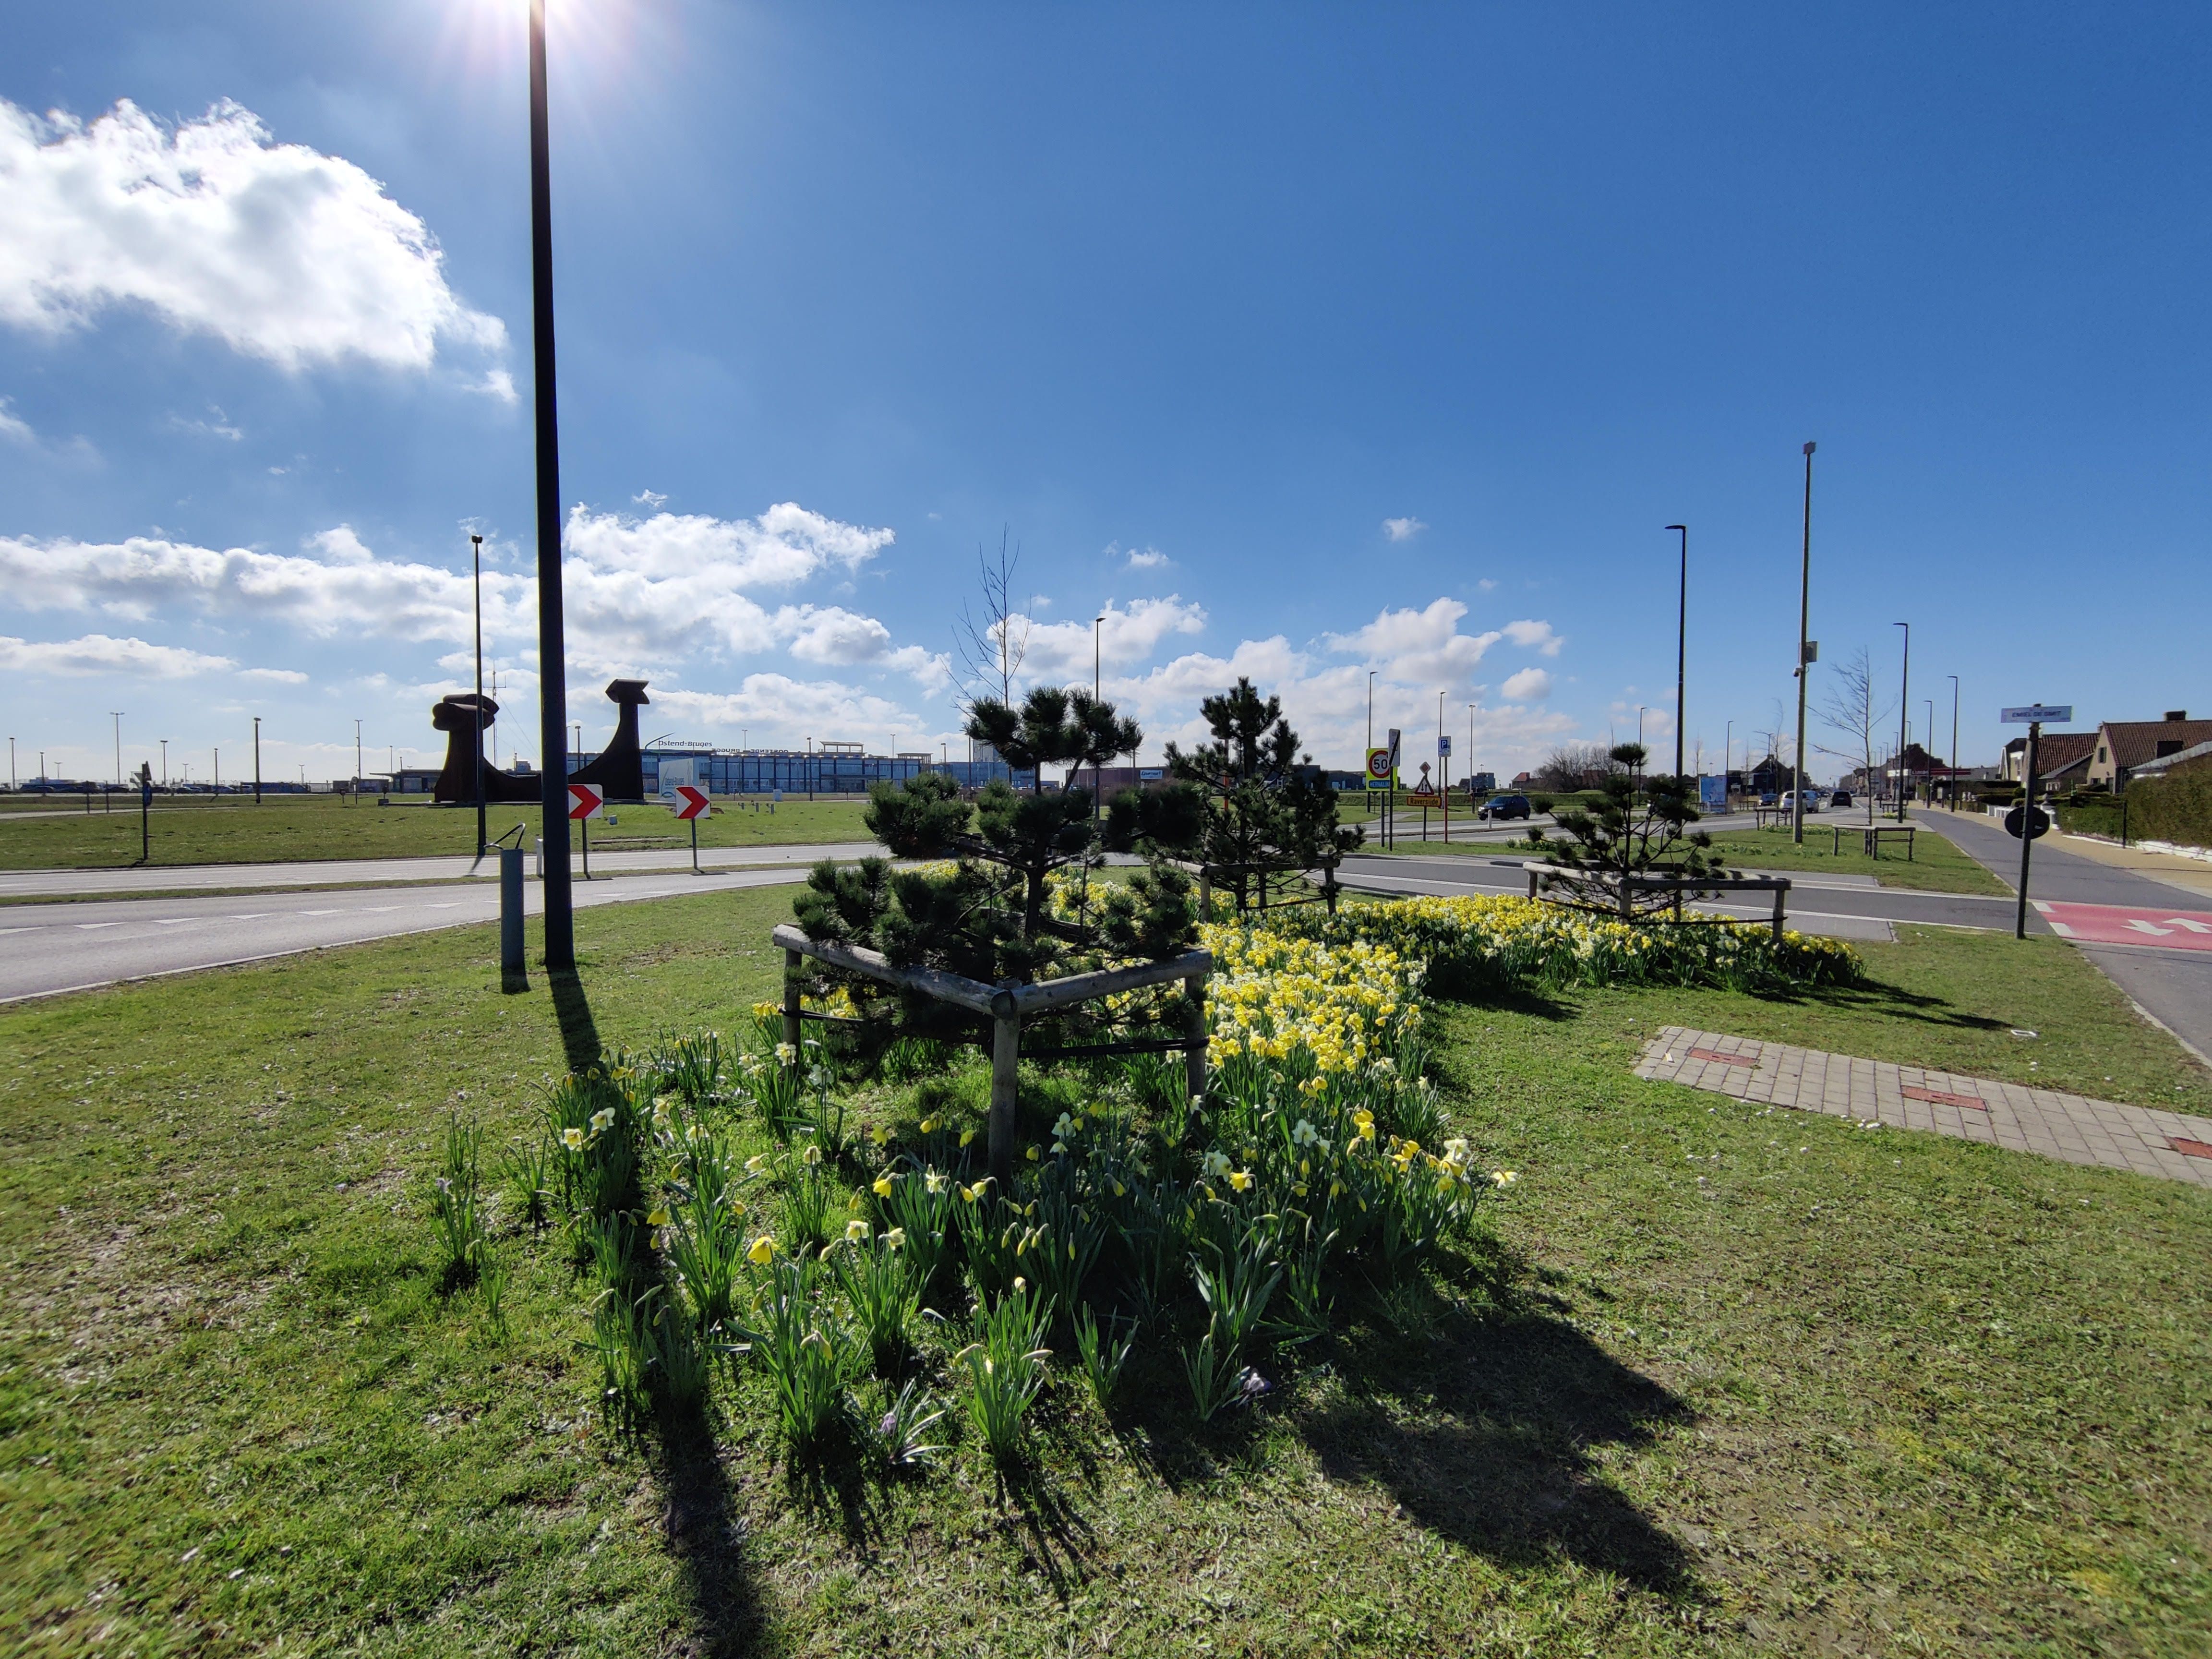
pixel 1849 708
pixel 991 648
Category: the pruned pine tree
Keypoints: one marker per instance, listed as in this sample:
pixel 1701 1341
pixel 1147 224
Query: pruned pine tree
pixel 1631 830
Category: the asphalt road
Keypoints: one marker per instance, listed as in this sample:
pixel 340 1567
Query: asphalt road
pixel 46 950
pixel 2172 983
pixel 243 877
pixel 1841 907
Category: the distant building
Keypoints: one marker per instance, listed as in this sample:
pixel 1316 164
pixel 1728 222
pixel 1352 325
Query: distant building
pixel 2122 746
pixel 2195 758
pixel 2062 758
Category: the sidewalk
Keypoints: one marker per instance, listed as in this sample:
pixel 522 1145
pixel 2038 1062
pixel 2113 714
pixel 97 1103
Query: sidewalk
pixel 2172 1144
pixel 2194 874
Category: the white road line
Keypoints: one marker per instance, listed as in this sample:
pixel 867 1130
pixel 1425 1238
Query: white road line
pixel 86 927
pixel 319 913
pixel 18 929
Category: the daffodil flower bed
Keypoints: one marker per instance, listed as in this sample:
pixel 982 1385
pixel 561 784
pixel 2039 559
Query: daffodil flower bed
pixel 1216 1243
pixel 1471 944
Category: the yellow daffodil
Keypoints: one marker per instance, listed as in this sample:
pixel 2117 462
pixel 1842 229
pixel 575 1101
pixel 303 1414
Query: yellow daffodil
pixel 813 1154
pixel 882 1186
pixel 657 1216
pixel 929 1126
pixel 896 1238
pixel 1032 1154
pixel 967 1136
pixel 935 1182
pixel 572 1139
pixel 855 1231
pixel 1241 1180
pixel 763 1251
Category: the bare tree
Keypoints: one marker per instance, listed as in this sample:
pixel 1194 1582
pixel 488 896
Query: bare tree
pixel 992 646
pixel 1574 766
pixel 1849 709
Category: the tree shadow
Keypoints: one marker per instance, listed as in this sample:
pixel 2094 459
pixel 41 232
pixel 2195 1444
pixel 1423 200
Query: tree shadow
pixel 1490 1436
pixel 572 1009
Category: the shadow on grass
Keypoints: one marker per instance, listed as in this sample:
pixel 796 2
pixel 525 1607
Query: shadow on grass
pixel 1484 1428
pixel 704 1537
pixel 580 1032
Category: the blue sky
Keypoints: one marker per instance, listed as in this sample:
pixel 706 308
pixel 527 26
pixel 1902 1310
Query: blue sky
pixel 1302 341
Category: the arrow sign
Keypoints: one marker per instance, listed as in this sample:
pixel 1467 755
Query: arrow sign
pixel 585 800
pixel 692 802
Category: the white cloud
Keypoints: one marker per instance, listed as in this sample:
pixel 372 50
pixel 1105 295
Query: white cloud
pixel 650 498
pixel 340 546
pixel 1148 558
pixel 219 427
pixel 1529 685
pixel 1486 585
pixel 274 676
pixel 1535 635
pixel 1402 530
pixel 283 253
pixel 99 654
pixel 14 427
pixel 496 383
pixel 1060 652
pixel 1417 647
pixel 832 634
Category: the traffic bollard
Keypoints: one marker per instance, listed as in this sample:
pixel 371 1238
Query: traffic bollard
pixel 511 971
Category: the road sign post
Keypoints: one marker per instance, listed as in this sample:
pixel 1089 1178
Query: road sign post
pixel 2032 717
pixel 585 801
pixel 692 805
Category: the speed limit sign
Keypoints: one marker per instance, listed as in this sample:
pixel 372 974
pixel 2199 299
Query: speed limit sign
pixel 1378 769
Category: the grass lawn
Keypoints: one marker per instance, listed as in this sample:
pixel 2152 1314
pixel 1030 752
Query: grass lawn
pixel 1720 1380
pixel 288 828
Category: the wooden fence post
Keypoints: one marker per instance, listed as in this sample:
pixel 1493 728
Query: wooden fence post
pixel 791 987
pixel 1006 1079
pixel 1194 1058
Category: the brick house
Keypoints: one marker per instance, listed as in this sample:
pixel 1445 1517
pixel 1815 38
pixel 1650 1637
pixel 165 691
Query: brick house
pixel 2123 745
pixel 2062 758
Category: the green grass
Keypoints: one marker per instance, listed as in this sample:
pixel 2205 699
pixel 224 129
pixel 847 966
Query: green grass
pixel 288 828
pixel 1849 1391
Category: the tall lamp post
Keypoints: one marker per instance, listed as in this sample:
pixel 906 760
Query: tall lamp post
pixel 552 650
pixel 257 760
pixel 1904 704
pixel 1728 758
pixel 476 575
pixel 1952 793
pixel 118 715
pixel 1097 693
pixel 1804 657
pixel 1929 745
pixel 1681 646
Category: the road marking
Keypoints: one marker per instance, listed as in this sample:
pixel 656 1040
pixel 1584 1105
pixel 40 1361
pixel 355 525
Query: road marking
pixel 18 929
pixel 319 913
pixel 441 907
pixel 2116 924
pixel 86 927
pixel 177 922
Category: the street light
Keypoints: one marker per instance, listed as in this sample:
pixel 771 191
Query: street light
pixel 1904 704
pixel 552 651
pixel 1804 652
pixel 1371 713
pixel 1727 759
pixel 257 760
pixel 1952 802
pixel 165 763
pixel 118 714
pixel 475 577
pixel 356 756
pixel 1681 646
pixel 1097 692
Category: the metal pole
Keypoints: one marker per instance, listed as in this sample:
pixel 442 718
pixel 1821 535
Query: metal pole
pixel 1727 759
pixel 552 648
pixel 118 714
pixel 1443 772
pixel 257 760
pixel 1930 734
pixel 2027 829
pixel 1903 703
pixel 1681 646
pixel 1953 802
pixel 1804 626
pixel 476 575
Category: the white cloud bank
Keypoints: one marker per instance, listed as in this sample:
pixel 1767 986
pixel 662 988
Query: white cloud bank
pixel 102 653
pixel 1529 685
pixel 281 253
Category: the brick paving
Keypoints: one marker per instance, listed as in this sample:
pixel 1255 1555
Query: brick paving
pixel 2173 1145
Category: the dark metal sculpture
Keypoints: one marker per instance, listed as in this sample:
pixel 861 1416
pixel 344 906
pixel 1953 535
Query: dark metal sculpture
pixel 464 718
pixel 619 771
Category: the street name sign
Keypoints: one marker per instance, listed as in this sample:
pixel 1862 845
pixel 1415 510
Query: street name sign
pixel 585 800
pixel 2037 714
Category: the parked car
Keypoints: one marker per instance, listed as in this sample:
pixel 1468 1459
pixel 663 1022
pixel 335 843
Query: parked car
pixel 1505 806
pixel 1841 798
pixel 1788 801
pixel 1769 798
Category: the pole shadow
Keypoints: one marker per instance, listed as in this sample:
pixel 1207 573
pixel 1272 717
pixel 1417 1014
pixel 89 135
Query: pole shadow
pixel 580 1032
